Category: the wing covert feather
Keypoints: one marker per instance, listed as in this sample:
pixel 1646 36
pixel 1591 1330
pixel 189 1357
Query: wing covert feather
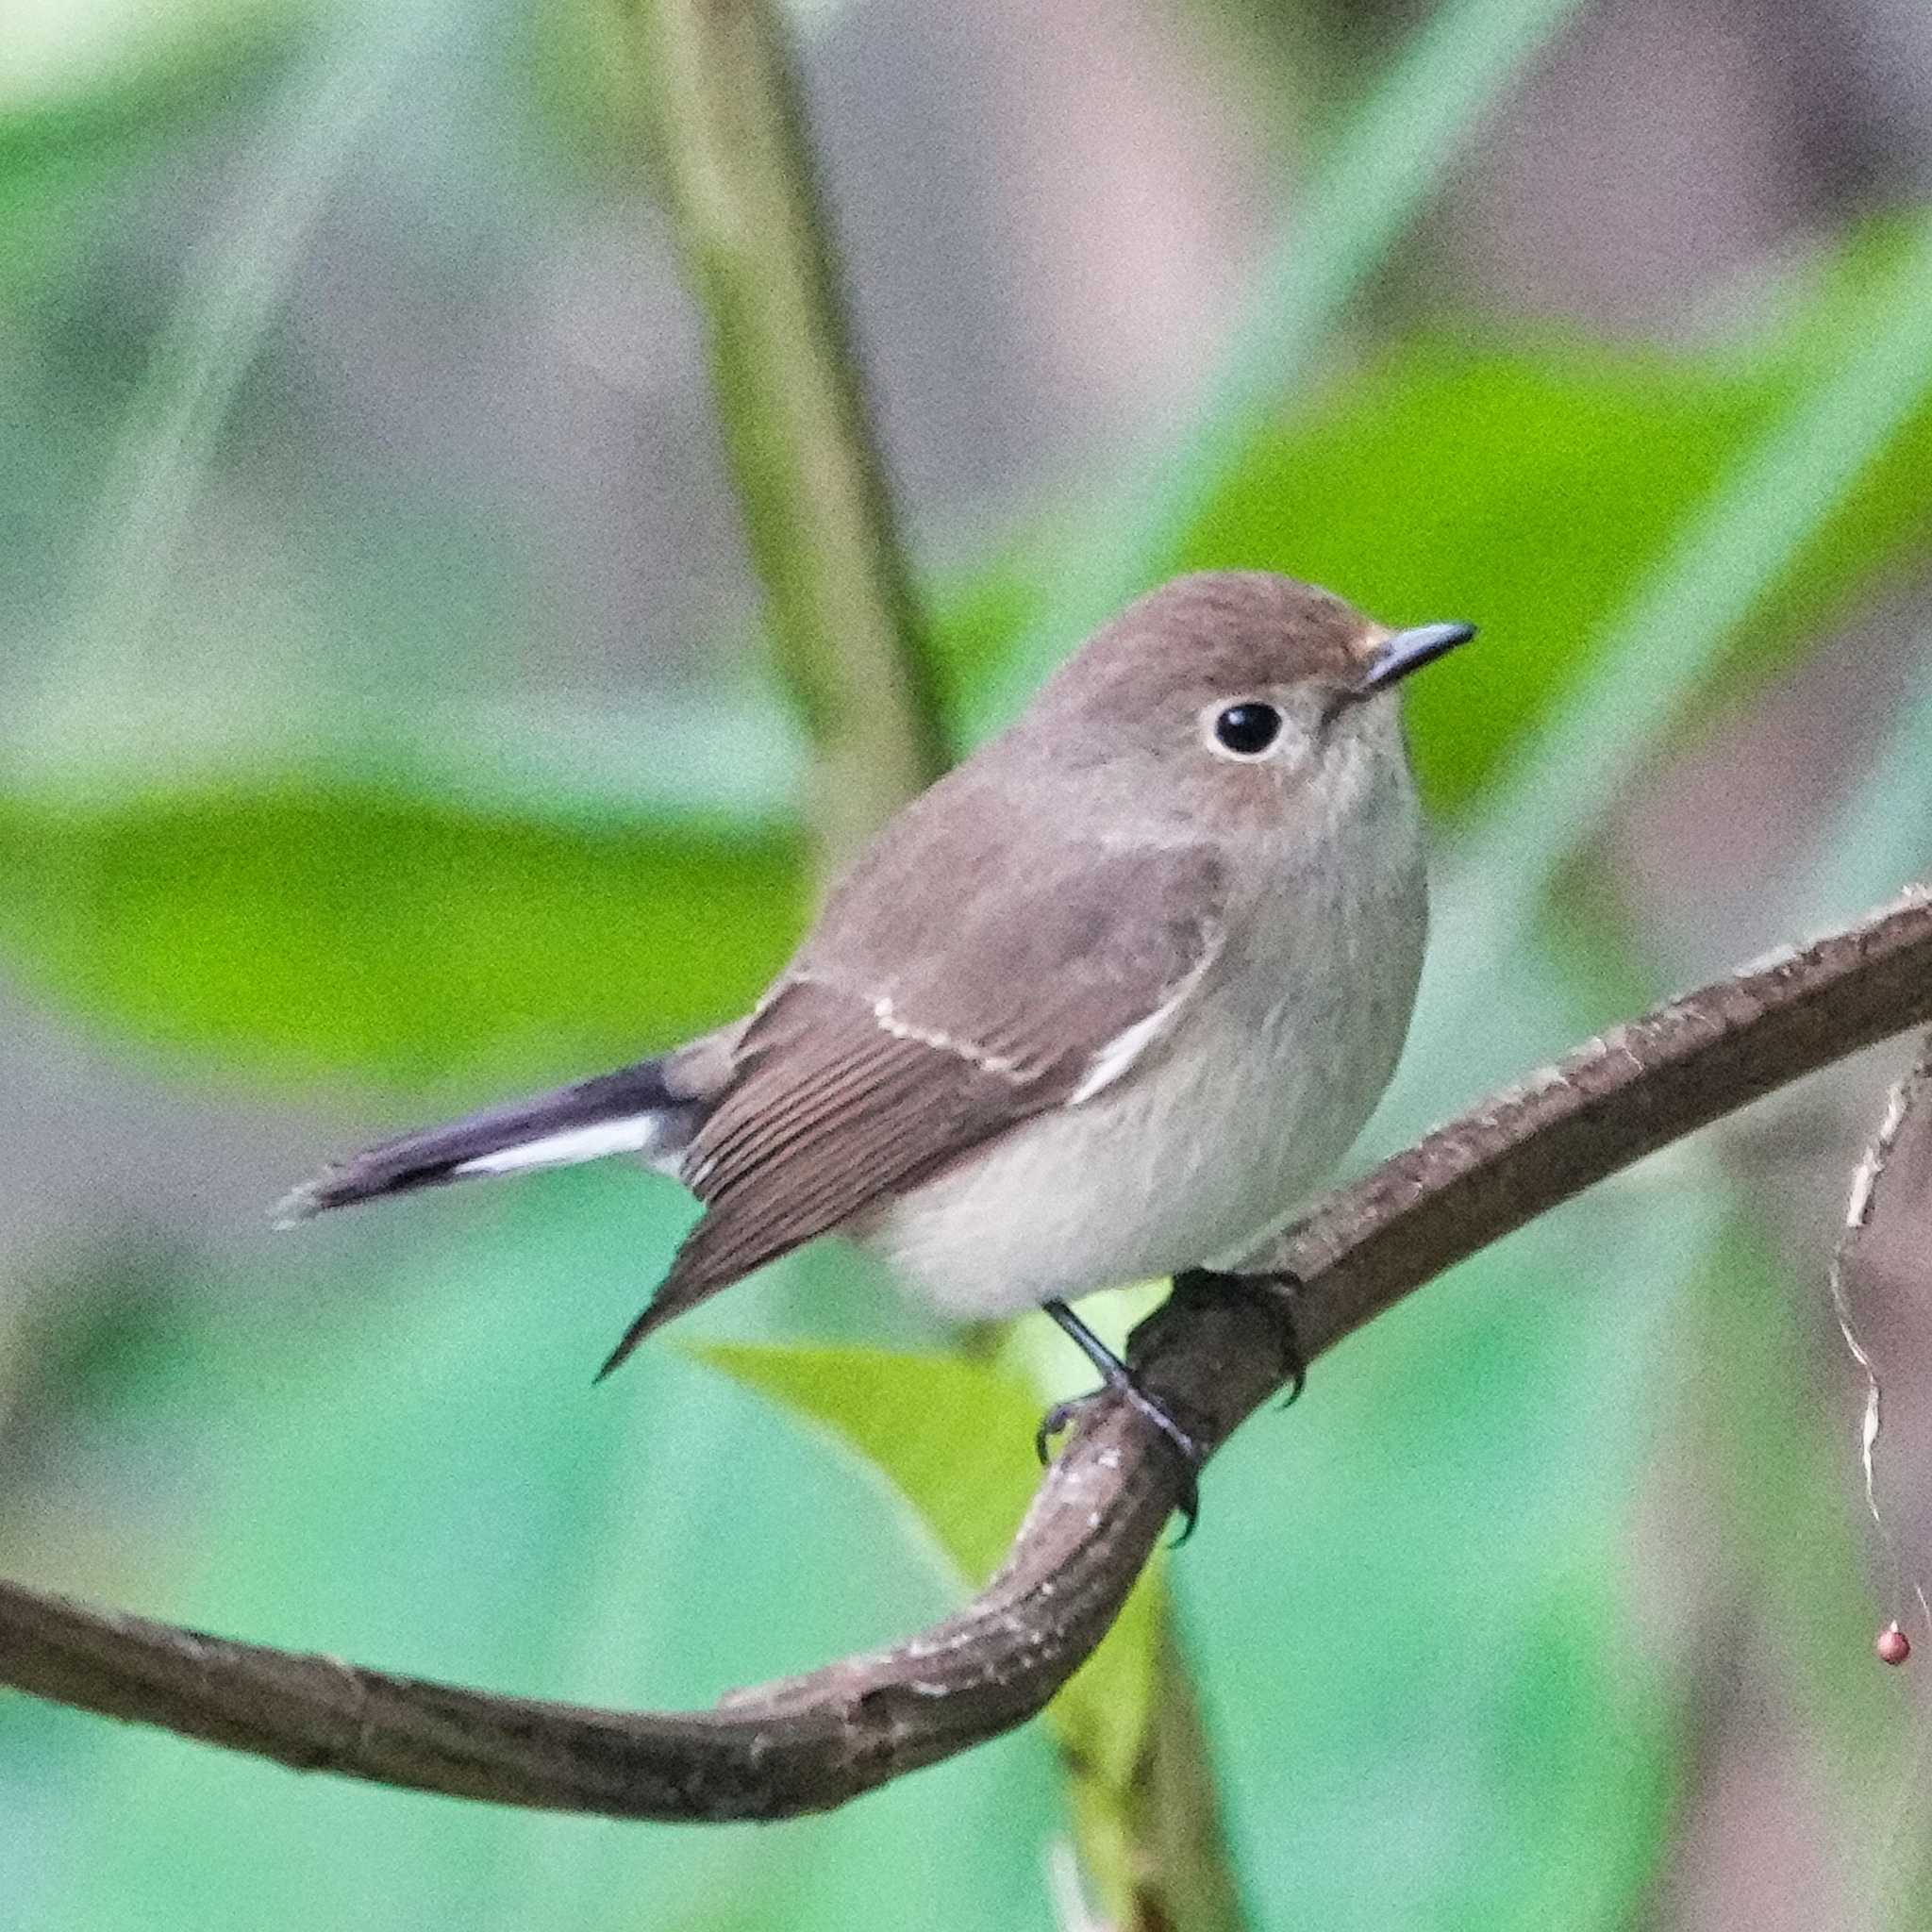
pixel 883 1054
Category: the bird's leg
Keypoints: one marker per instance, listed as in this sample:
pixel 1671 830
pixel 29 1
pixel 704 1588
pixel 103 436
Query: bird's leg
pixel 1119 1379
pixel 1272 1293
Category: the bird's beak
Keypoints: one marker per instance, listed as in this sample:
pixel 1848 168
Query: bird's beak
pixel 1410 650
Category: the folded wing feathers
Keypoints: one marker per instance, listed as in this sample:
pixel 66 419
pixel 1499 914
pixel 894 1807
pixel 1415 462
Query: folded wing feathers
pixel 842 1097
pixel 840 1113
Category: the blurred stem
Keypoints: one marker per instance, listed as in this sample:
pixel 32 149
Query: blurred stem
pixel 806 468
pixel 1154 1841
pixel 804 460
pixel 1182 1877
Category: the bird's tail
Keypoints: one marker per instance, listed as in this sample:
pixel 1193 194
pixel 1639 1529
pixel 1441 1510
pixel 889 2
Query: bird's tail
pixel 631 1111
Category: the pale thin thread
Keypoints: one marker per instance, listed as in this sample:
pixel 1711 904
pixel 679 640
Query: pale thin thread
pixel 1889 1878
pixel 1865 1182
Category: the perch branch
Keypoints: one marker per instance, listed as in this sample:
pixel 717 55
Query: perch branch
pixel 813 1741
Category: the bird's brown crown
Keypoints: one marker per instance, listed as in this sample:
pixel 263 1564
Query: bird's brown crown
pixel 1217 633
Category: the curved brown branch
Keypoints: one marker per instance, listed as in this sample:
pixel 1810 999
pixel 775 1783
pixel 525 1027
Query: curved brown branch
pixel 816 1740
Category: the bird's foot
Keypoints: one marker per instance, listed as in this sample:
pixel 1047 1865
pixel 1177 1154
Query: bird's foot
pixel 1274 1294
pixel 1118 1380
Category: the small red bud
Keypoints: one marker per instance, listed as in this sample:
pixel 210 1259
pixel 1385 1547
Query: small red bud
pixel 1893 1646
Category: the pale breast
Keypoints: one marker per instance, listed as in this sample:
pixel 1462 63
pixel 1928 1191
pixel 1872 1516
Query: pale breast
pixel 1229 1124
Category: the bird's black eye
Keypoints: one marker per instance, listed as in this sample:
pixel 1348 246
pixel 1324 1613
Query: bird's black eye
pixel 1248 729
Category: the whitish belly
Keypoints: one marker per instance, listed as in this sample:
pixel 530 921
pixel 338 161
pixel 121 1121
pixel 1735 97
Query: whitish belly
pixel 1184 1164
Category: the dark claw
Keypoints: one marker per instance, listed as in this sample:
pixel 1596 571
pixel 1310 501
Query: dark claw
pixel 1171 1432
pixel 1184 1447
pixel 1297 1381
pixel 1051 1424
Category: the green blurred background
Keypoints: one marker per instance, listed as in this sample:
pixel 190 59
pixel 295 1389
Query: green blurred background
pixel 386 726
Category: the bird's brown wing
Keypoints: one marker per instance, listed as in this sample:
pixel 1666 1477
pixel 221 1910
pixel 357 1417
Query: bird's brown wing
pixel 861 1074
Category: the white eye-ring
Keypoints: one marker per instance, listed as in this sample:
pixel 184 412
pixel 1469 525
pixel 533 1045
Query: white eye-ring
pixel 1246 730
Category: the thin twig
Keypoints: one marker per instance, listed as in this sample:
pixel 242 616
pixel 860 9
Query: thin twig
pixel 813 1741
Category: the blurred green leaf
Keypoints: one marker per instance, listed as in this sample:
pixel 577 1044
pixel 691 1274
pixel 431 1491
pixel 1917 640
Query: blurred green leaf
pixel 53 178
pixel 954 1436
pixel 978 617
pixel 305 931
pixel 1535 489
pixel 954 1439
pixel 1584 1762
pixel 95 95
pixel 69 55
pixel 1773 504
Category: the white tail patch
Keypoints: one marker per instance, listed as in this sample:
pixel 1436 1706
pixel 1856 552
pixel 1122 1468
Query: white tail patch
pixel 640 1133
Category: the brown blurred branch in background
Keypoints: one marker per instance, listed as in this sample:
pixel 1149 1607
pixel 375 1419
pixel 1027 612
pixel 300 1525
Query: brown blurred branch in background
pixel 813 1741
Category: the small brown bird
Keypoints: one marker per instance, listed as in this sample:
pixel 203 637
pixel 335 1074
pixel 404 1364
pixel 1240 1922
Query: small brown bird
pixel 1101 1005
